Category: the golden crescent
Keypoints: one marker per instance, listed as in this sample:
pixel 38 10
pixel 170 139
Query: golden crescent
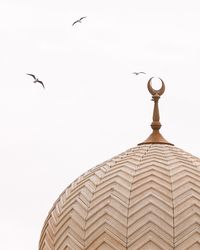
pixel 154 91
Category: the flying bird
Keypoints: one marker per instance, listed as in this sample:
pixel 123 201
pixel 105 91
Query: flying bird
pixel 137 73
pixel 36 80
pixel 79 20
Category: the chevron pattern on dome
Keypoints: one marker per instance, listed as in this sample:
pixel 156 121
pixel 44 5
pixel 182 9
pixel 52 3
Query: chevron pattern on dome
pixel 145 198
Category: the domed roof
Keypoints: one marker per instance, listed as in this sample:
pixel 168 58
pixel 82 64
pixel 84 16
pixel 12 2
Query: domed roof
pixel 145 198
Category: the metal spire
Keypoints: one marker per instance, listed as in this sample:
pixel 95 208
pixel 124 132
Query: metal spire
pixel 156 136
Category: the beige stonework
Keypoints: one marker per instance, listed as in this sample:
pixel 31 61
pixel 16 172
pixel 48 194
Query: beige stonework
pixel 145 198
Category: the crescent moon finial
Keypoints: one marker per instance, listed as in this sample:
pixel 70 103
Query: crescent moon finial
pixel 154 91
pixel 156 136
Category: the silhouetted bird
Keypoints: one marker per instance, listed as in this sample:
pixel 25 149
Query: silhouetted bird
pixel 79 20
pixel 137 73
pixel 36 80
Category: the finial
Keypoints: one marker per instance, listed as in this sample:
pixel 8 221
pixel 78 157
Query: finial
pixel 156 136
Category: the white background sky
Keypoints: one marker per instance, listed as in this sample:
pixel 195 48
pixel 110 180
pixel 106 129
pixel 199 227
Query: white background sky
pixel 93 107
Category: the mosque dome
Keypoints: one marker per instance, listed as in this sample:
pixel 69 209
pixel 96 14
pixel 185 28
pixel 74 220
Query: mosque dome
pixel 147 197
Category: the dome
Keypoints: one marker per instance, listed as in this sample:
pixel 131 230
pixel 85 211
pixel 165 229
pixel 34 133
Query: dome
pixel 147 197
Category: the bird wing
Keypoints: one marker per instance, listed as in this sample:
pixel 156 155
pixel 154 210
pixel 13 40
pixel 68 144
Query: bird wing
pixel 82 18
pixel 135 73
pixel 32 76
pixel 41 83
pixel 75 22
pixel 142 72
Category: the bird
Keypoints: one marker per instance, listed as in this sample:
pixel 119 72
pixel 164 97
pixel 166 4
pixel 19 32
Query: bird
pixel 137 73
pixel 36 80
pixel 79 20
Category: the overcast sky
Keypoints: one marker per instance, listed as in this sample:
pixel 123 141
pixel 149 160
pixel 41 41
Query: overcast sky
pixel 93 107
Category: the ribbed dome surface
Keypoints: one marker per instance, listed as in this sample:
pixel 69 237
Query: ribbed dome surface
pixel 145 198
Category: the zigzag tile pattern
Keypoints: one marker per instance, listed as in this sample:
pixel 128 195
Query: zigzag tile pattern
pixel 145 198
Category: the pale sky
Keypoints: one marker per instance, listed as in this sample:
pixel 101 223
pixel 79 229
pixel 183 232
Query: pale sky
pixel 93 107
